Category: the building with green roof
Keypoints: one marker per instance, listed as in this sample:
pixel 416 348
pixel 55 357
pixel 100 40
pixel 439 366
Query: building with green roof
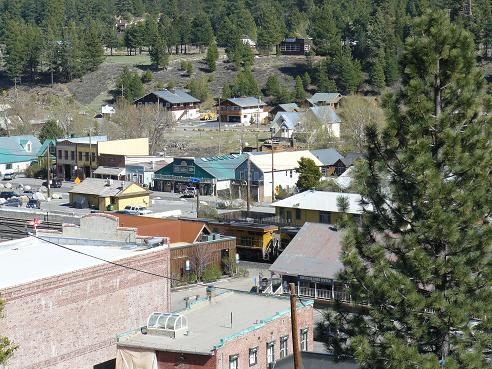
pixel 209 174
pixel 17 153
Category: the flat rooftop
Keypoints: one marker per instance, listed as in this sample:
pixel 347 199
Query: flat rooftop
pixel 209 323
pixel 29 259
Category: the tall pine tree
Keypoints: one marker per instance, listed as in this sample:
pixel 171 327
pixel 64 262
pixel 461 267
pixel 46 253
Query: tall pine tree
pixel 421 257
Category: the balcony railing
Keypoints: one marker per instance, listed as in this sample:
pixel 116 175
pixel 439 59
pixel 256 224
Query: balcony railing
pixel 322 294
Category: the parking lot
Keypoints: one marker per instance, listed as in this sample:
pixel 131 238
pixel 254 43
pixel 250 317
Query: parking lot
pixel 161 202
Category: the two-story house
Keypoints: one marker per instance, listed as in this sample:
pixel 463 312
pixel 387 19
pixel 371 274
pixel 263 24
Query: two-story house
pixel 178 102
pixel 244 110
pixel 17 153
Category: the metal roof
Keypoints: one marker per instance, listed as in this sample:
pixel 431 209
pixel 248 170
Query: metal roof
pixel 285 160
pixel 327 156
pixel 110 171
pixel 84 140
pixel 221 167
pixel 314 252
pixel 103 187
pixel 290 107
pixel 326 97
pixel 351 157
pixel 175 96
pixel 246 101
pixel 325 114
pixel 290 119
pixel 321 201
pixel 13 148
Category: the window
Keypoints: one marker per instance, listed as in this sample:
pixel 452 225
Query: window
pixel 304 339
pixel 253 356
pixel 29 147
pixel 59 154
pixel 234 362
pixel 298 214
pixel 93 157
pixel 289 216
pixel 72 155
pixel 324 217
pixel 270 354
pixel 8 166
pixel 65 154
pixel 291 174
pixel 80 156
pixel 284 344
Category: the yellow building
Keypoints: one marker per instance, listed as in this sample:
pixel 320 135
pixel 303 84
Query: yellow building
pixel 253 241
pixel 133 146
pixel 105 194
pixel 315 207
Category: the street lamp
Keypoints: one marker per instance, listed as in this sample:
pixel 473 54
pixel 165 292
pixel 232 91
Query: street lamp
pixel 272 131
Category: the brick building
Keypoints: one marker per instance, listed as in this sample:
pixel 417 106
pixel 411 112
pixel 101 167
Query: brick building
pixel 225 332
pixel 64 309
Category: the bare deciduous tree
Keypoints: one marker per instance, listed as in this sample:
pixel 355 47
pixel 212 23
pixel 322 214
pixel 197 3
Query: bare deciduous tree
pixel 200 257
pixel 357 112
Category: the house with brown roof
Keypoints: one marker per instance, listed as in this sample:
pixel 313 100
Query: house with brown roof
pixel 193 244
pixel 312 261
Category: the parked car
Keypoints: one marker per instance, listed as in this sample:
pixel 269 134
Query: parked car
pixel 55 183
pixel 189 192
pixel 33 204
pixel 28 193
pixel 14 202
pixel 136 210
pixel 8 176
pixel 7 194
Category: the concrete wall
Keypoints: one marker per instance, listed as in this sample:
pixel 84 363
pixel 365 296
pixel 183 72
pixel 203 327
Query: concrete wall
pixel 134 146
pixel 71 320
pixel 271 332
pixel 100 227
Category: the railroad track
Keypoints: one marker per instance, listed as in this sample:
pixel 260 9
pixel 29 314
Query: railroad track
pixel 13 228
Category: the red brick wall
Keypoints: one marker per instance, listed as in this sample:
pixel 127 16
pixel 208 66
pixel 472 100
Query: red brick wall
pixel 260 337
pixel 172 360
pixel 71 320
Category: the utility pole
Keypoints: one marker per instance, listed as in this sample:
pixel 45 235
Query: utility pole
pixel 48 175
pixel 258 115
pixel 219 117
pixel 295 331
pixel 197 199
pixel 90 153
pixel 273 180
pixel 248 187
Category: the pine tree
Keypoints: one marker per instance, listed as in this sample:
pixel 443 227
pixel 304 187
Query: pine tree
pixel 309 174
pixel 270 28
pixel 129 85
pixel 245 84
pixel 202 33
pixel 158 54
pixel 212 56
pixel 348 70
pixel 272 86
pixel 377 73
pixel 15 48
pixel 306 80
pixel 300 93
pixel 50 131
pixel 226 91
pixel 92 53
pixel 421 254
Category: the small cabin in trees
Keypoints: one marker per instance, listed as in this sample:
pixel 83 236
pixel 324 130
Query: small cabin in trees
pixel 180 103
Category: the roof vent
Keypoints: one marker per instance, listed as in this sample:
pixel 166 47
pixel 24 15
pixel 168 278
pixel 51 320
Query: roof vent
pixel 167 324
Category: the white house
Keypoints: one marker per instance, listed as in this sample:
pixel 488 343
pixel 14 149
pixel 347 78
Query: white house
pixel 285 123
pixel 17 153
pixel 284 172
pixel 245 110
pixel 325 116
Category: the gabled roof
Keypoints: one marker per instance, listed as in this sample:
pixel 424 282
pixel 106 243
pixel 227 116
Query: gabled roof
pixel 327 156
pixel 325 114
pixel 290 107
pixel 176 230
pixel 286 160
pixel 246 101
pixel 175 96
pixel 325 97
pixel 351 157
pixel 314 252
pixel 103 187
pixel 84 140
pixel 13 148
pixel 290 119
pixel 321 201
pixel 221 167
pixel 44 146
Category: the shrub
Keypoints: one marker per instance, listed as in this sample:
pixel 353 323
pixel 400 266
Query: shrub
pixel 207 211
pixel 147 76
pixel 36 170
pixel 211 273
